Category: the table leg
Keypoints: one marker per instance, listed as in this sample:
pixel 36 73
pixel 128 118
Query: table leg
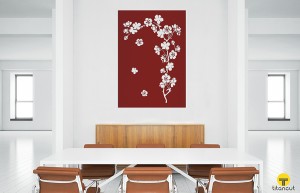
pixel 183 173
pixel 113 177
pixel 261 177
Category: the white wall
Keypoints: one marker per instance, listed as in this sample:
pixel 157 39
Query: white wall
pixel 63 74
pixel 42 94
pixel 278 26
pixel 96 72
pixel 274 47
pixel 25 47
pixel 258 73
pixel 24 26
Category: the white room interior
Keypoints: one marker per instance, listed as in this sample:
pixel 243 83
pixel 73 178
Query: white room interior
pixel 70 48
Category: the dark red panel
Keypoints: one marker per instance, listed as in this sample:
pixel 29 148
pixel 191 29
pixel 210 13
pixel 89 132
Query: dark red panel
pixel 152 58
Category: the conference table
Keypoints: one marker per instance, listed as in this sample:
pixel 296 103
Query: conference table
pixel 168 156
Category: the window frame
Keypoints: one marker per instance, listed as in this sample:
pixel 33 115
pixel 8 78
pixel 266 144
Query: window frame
pixel 16 98
pixel 284 98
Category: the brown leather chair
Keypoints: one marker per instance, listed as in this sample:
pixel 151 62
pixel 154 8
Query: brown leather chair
pixel 62 180
pixel 202 171
pixel 147 180
pixel 150 146
pixel 97 172
pixel 231 180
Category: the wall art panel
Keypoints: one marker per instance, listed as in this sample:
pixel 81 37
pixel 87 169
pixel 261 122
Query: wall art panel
pixel 152 59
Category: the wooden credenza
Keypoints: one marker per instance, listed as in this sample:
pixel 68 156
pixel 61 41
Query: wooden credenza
pixel 128 136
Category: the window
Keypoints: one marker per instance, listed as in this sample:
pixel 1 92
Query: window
pixel 21 97
pixel 278 105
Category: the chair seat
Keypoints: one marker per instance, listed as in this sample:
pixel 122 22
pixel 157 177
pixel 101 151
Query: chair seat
pixel 147 188
pixel 97 171
pixel 201 171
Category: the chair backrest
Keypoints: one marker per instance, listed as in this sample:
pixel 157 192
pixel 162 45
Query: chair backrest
pixel 98 146
pixel 233 180
pixel 56 179
pixel 205 146
pixel 150 146
pixel 111 168
pixel 147 179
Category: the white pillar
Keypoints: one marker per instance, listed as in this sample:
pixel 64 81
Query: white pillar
pixel 236 74
pixel 63 75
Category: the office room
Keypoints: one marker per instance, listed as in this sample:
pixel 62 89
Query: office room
pixel 131 96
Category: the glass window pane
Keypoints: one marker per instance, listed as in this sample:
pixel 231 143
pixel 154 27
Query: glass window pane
pixel 24 88
pixel 24 110
pixel 276 110
pixel 275 88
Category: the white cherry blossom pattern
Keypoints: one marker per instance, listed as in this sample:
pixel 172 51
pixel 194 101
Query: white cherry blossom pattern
pixel 160 33
pixel 177 48
pixel 170 66
pixel 157 50
pixel 134 70
pixel 148 22
pixel 154 28
pixel 158 19
pixel 139 42
pixel 165 45
pixel 172 54
pixel 144 93
pixel 127 24
pixel 167 57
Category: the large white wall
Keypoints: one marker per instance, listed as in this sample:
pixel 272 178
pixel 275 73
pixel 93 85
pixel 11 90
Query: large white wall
pixel 42 94
pixel 26 46
pixel 257 76
pixel 274 46
pixel 96 68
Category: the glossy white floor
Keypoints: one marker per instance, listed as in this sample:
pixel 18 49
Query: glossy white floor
pixel 20 152
pixel 280 151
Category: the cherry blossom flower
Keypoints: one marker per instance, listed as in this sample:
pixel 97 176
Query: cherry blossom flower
pixel 126 31
pixel 173 42
pixel 167 29
pixel 157 50
pixel 154 28
pixel 170 66
pixel 177 29
pixel 132 30
pixel 166 78
pixel 177 48
pixel 127 24
pixel 158 19
pixel 139 42
pixel 144 93
pixel 173 82
pixel 136 25
pixel 172 54
pixel 161 33
pixel 165 45
pixel 162 85
pixel 163 58
pixel 134 70
pixel 148 22
pixel 162 70
pixel 125 37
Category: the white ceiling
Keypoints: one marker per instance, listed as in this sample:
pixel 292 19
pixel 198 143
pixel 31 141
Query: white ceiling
pixel 26 8
pixel 273 8
pixel 257 8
